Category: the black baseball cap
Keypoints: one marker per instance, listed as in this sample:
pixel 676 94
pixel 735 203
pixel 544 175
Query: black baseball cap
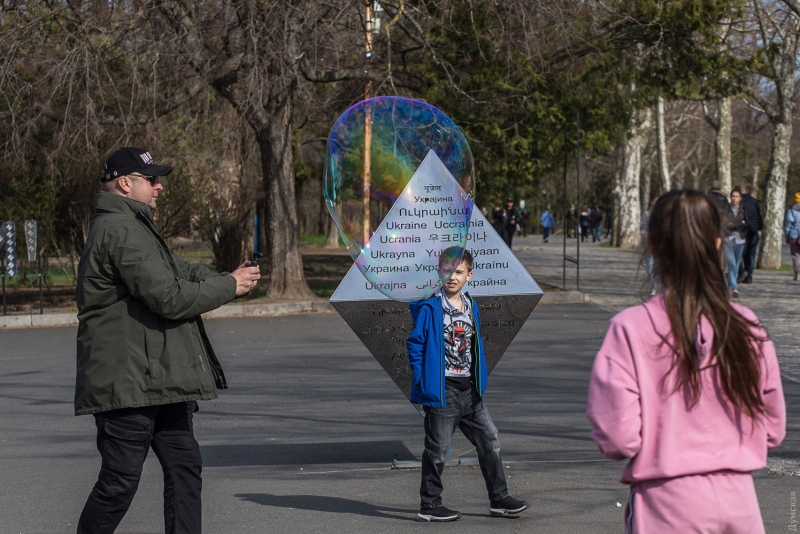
pixel 130 159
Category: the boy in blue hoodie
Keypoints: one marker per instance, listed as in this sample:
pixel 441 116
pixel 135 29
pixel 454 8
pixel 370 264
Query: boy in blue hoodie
pixel 445 352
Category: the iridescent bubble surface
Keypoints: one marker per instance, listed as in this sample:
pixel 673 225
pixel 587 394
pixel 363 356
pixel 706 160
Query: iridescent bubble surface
pixel 374 150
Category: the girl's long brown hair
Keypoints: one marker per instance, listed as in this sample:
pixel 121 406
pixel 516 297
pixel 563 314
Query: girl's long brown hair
pixel 684 235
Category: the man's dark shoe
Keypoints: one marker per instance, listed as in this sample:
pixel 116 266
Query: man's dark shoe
pixel 508 506
pixel 440 513
pixel 748 279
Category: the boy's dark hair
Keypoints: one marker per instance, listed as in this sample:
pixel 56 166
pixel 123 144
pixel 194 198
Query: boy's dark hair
pixel 467 257
pixel 451 258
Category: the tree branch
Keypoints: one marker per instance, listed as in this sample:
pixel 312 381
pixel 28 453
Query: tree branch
pixel 708 118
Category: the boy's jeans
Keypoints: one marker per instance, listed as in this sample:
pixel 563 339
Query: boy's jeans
pixel 465 410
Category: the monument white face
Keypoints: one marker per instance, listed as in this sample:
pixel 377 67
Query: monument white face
pixel 401 259
pixel 496 271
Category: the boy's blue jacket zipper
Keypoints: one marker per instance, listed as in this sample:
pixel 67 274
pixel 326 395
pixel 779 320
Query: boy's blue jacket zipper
pixel 426 357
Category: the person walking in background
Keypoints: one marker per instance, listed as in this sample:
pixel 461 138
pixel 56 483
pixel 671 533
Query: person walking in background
pixel 498 219
pixel 687 387
pixel 755 223
pixel 584 222
pixel 512 218
pixel 791 229
pixel 523 218
pixel 647 259
pixel 726 213
pixel 735 240
pixel 548 223
pixel 572 221
pixel 596 224
pixel 717 197
pixel 485 212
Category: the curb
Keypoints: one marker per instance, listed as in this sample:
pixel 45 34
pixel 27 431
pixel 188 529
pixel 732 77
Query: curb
pixel 232 310
pixel 248 310
pixel 563 297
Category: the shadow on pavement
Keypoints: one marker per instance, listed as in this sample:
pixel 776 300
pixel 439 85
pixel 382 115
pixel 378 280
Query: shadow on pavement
pixel 360 452
pixel 320 503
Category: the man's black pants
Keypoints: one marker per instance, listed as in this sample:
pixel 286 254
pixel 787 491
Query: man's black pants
pixel 749 257
pixel 124 438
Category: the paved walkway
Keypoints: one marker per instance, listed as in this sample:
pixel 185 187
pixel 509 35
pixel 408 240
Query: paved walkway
pixel 613 279
pixel 302 441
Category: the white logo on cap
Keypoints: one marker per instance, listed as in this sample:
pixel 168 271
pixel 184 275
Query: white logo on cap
pixel 146 157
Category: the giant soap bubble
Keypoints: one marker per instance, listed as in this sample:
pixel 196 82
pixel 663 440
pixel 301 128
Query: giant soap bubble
pixel 374 150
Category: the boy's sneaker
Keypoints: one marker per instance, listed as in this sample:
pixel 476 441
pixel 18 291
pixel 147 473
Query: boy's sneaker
pixel 509 505
pixel 440 513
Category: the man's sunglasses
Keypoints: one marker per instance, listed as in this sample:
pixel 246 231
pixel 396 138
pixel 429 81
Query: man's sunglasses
pixel 154 180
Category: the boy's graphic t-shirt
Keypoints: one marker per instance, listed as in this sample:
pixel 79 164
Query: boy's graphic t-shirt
pixel 458 332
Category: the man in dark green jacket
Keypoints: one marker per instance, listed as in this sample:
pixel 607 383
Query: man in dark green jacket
pixel 143 355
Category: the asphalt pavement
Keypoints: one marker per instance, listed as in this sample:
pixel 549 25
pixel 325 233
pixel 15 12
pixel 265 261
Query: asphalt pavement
pixel 303 439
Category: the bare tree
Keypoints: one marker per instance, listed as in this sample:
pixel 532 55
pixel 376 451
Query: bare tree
pixel 256 55
pixel 76 81
pixel 776 25
pixel 722 141
pixel 661 143
pixel 627 187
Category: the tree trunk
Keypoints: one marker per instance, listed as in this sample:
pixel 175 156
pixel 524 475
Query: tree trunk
pixel 286 280
pixel 619 158
pixel 644 187
pixel 772 235
pixel 629 214
pixel 326 224
pixel 661 142
pixel 263 238
pixel 756 172
pixel 722 144
pixel 333 235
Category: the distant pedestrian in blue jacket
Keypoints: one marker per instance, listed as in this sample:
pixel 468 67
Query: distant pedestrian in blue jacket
pixel 445 352
pixel 791 229
pixel 548 223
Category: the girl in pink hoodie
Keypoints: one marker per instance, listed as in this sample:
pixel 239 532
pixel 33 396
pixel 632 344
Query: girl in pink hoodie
pixel 687 387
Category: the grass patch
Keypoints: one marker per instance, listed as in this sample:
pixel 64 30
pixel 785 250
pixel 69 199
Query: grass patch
pixel 324 273
pixel 257 293
pixel 327 265
pixel 54 276
pixel 323 289
pixel 317 240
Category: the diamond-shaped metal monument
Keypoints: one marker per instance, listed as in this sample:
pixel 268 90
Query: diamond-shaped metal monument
pixel 503 289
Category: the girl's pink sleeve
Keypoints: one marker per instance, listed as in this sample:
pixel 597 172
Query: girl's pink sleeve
pixel 614 407
pixel 772 394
